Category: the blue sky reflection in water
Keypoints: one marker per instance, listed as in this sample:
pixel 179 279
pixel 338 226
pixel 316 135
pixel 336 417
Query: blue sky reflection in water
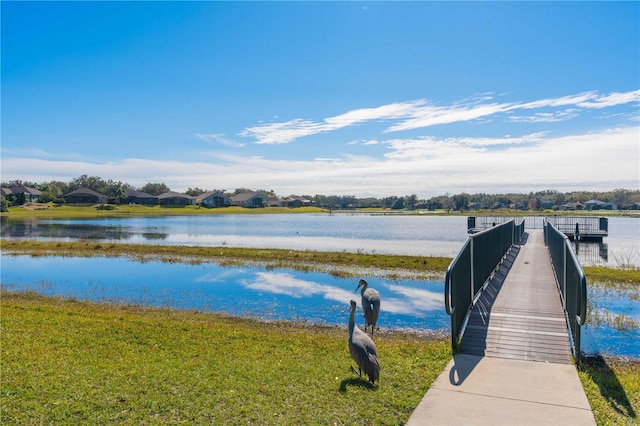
pixel 277 294
pixel 274 294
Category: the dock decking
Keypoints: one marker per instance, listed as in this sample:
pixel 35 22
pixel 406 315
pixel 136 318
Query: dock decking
pixel 514 364
pixel 519 315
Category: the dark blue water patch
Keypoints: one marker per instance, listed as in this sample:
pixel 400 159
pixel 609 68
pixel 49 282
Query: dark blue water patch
pixel 271 295
pixel 608 340
pixel 621 301
pixel 613 322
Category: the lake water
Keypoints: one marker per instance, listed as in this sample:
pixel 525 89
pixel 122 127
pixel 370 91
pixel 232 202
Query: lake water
pixel 270 295
pixel 421 235
pixel 285 294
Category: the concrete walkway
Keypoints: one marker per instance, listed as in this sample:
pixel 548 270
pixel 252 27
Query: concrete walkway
pixel 520 380
pixel 476 390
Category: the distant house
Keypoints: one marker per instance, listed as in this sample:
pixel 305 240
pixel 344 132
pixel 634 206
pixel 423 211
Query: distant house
pixel 213 199
pixel 176 199
pixel 633 206
pixel 546 204
pixel 138 197
pixel 31 195
pixel 275 201
pixel 84 196
pixel 475 205
pixel 250 200
pixel 594 204
pixel 573 206
pixel 610 206
pixel 294 201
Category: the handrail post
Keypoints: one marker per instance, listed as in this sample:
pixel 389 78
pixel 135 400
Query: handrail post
pixel 471 274
pixel 564 274
pixel 573 289
pixel 475 262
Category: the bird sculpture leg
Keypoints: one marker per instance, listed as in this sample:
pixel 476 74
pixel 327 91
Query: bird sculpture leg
pixel 377 329
pixel 359 372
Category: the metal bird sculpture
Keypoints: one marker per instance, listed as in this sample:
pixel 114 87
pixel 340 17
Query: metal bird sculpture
pixel 370 305
pixel 363 350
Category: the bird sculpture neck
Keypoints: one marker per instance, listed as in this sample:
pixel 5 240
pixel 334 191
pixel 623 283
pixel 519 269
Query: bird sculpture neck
pixel 352 321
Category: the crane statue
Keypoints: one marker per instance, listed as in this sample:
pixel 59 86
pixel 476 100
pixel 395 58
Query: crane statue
pixel 370 305
pixel 363 350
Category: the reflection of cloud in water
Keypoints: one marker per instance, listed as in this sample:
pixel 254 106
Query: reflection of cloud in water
pixel 281 283
pixel 406 300
pixel 219 276
pixel 415 302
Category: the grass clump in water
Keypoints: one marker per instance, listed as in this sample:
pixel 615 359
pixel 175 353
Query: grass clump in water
pixel 340 263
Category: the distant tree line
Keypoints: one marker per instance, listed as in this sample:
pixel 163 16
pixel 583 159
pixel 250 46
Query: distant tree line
pixel 54 190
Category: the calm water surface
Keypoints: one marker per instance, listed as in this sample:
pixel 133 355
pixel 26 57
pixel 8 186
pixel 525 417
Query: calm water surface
pixel 414 235
pixel 277 294
pixel 285 294
pixel 422 235
pixel 274 294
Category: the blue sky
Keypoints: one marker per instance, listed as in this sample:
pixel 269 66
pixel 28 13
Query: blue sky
pixel 341 98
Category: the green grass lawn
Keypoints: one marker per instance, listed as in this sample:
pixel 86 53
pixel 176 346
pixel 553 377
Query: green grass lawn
pixel 612 386
pixel 71 362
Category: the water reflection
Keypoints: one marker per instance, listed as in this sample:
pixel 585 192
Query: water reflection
pixel 279 294
pixel 421 235
pixel 287 295
pixel 32 229
pixel 399 299
pixel 591 252
pixel 412 235
pixel 288 285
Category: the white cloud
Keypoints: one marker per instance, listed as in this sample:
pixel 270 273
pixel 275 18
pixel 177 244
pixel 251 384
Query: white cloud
pixel 277 133
pixel 218 139
pixel 420 113
pixel 425 166
pixel 545 117
pixel 430 116
pixel 613 99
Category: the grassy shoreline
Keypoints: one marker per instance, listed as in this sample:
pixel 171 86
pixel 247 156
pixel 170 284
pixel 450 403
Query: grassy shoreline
pixel 52 211
pixel 67 362
pixel 70 362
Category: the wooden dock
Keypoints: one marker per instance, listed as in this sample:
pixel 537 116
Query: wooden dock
pixel 519 315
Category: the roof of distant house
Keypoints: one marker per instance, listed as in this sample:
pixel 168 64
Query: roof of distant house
pixel 24 190
pixel 84 191
pixel 244 196
pixel 171 194
pixel 204 195
pixel 139 194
